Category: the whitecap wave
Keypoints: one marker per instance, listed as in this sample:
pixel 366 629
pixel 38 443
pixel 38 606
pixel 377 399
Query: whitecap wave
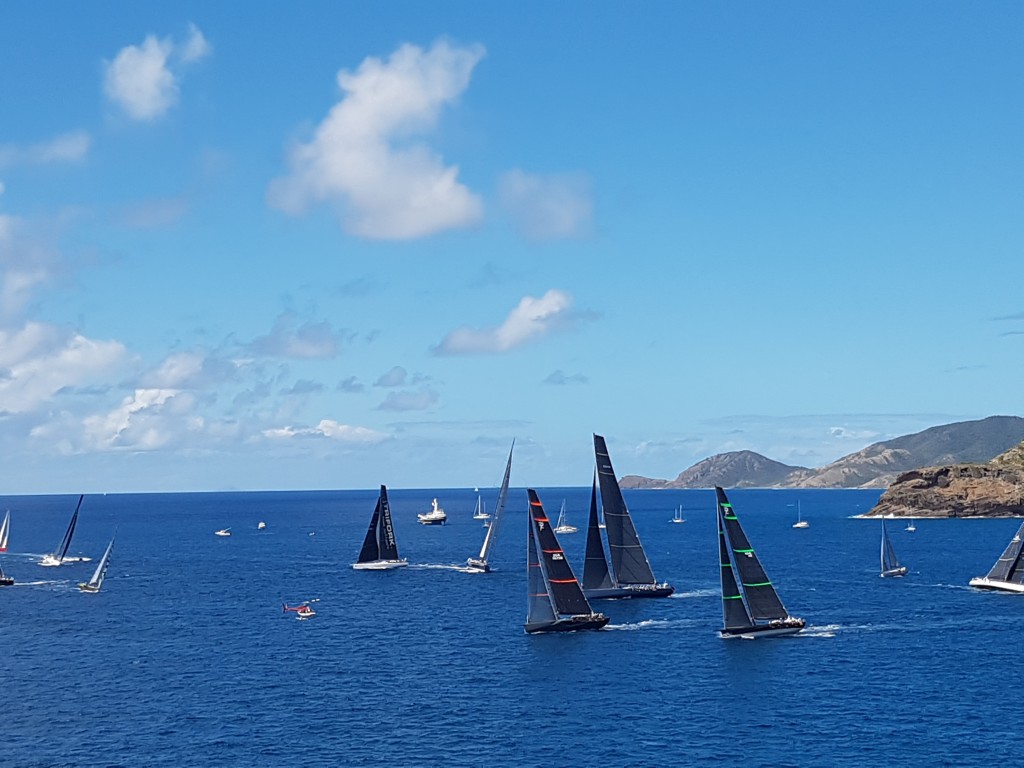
pixel 695 593
pixel 649 624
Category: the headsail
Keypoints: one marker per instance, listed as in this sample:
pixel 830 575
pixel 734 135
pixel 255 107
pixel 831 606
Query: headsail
pixel 628 560
pixel 595 566
pixel 761 599
pixel 1009 567
pixel 499 509
pixel 371 549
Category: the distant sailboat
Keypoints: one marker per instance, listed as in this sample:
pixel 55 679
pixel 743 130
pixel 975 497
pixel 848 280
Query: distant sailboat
pixel 380 550
pixel 5 580
pixel 480 513
pixel 92 586
pixel 60 553
pixel 555 602
pixel 479 564
pixel 630 572
pixel 800 522
pixel 890 563
pixel 5 531
pixel 750 604
pixel 1007 575
pixel 910 526
pixel 222 532
pixel 678 517
pixel 562 526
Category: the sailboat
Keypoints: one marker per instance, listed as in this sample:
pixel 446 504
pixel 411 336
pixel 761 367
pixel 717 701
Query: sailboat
pixel 5 531
pixel 5 580
pixel 910 526
pixel 562 526
pixel 555 602
pixel 678 517
pixel 479 563
pixel 480 513
pixel 60 553
pixel 800 522
pixel 890 563
pixel 380 550
pixel 92 586
pixel 630 573
pixel 1007 575
pixel 750 604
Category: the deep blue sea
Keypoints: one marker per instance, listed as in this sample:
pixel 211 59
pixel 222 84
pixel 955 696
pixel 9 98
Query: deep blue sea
pixel 185 657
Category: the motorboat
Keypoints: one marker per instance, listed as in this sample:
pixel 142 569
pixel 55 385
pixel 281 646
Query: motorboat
pixel 436 516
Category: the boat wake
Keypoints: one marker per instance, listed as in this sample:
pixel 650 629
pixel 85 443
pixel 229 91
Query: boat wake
pixel 825 630
pixel 650 624
pixel 439 567
pixel 695 593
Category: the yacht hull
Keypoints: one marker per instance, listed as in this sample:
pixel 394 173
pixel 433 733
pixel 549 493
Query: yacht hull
pixel 893 572
pixel 570 624
pixel 380 565
pixel 775 629
pixel 88 589
pixel 477 566
pixel 983 582
pixel 6 581
pixel 625 593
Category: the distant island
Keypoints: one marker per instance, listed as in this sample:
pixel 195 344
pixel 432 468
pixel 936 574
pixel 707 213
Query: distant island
pixel 962 444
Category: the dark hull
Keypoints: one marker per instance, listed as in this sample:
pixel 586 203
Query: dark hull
pixel 6 581
pixel 572 624
pixel 623 593
pixel 773 629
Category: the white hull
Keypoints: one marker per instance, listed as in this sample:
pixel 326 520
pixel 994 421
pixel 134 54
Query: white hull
pixel 983 582
pixel 802 524
pixel 380 565
pixel 901 571
pixel 49 561
pixel 566 529
pixel 428 520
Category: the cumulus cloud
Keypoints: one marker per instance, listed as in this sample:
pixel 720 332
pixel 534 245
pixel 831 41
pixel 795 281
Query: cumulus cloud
pixel 144 80
pixel 532 319
pixel 409 401
pixel 309 341
pixel 327 428
pixel 303 387
pixel 368 157
pixel 37 361
pixel 145 420
pixel 66 148
pixel 547 207
pixel 559 378
pixel 350 384
pixel 26 262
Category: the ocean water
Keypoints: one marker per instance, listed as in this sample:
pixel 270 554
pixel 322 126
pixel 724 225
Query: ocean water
pixel 186 659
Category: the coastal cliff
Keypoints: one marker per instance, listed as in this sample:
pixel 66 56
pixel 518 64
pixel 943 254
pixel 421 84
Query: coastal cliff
pixel 992 489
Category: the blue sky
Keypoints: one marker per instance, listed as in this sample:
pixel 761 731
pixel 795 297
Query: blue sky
pixel 334 245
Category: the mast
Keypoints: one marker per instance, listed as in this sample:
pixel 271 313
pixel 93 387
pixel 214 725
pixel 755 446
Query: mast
pixel 595 566
pixel 540 608
pixel 628 560
pixel 499 508
pixel 1008 566
pixel 371 549
pixel 565 591
pixel 736 614
pixel 65 543
pixel 761 599
pixel 388 545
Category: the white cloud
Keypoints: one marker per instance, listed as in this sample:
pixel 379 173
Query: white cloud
pixel 547 207
pixel 532 319
pixel 37 361
pixel 309 341
pixel 141 79
pixel 68 147
pixel 330 429
pixel 365 155
pixel 145 420
pixel 26 262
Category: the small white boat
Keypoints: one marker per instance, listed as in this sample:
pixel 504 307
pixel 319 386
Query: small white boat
pixel 480 513
pixel 562 526
pixel 910 526
pixel 678 517
pixel 800 522
pixel 261 526
pixel 890 563
pixel 436 516
pixel 222 532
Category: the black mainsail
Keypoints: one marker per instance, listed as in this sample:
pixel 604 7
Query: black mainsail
pixel 479 563
pixel 748 596
pixel 380 550
pixel 1008 572
pixel 567 607
pixel 890 563
pixel 57 556
pixel 630 570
